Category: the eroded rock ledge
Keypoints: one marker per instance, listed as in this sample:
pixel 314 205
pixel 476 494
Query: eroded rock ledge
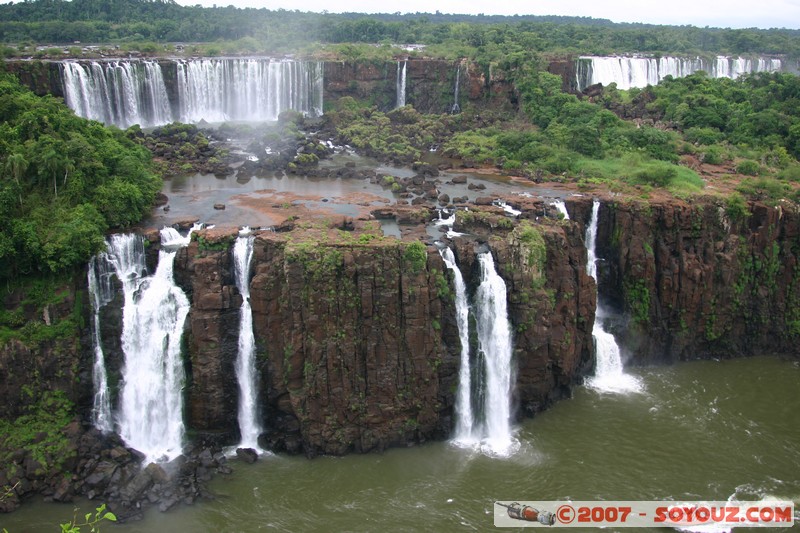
pixel 357 343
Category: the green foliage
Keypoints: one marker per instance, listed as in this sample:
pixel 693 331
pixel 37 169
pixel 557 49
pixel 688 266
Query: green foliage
pixel 401 135
pixel 506 41
pixel 443 290
pixel 637 300
pixel 70 181
pixel 714 155
pixel 39 430
pixel 748 167
pixel 736 207
pixel 479 146
pixel 416 255
pixel 763 188
pixel 657 175
pixel 533 242
pixel 35 294
pixel 790 173
pixel 93 523
pixel 759 110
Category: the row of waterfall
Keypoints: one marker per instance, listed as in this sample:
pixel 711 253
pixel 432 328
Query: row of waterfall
pixel 150 408
pixel 483 399
pixel 124 93
pixel 630 72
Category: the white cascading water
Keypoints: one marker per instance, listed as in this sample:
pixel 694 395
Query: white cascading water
pixel 464 433
pixel 561 207
pixel 609 375
pixel 151 398
pixel 449 221
pixel 246 375
pixel 456 107
pixel 630 72
pixel 122 93
pixel 494 340
pixel 101 291
pixel 508 209
pixel 401 83
pixel 217 90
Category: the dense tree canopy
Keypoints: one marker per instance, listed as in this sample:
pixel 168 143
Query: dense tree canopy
pixel 760 111
pixel 61 21
pixel 64 181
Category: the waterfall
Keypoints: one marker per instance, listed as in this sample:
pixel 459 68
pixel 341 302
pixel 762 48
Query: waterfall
pixel 630 72
pixel 122 93
pixel 464 416
pixel 217 90
pixel 507 209
pixel 561 207
pixel 246 374
pixel 494 340
pixel 101 291
pixel 609 375
pixel 151 398
pixel 456 107
pixel 401 84
pixel 483 398
pixel 449 221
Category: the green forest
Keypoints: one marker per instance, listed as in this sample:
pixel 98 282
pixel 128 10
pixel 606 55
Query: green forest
pixel 66 180
pixel 261 30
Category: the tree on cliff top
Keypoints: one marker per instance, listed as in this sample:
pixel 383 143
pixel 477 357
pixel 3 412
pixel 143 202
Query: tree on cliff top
pixel 64 181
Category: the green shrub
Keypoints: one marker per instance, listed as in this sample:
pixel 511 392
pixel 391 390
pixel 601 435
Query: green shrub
pixel 703 136
pixel 736 207
pixel 657 175
pixel 748 167
pixel 790 173
pixel 714 155
pixel 416 255
pixel 763 188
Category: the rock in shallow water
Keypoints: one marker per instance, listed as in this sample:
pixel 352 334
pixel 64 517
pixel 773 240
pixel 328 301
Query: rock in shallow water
pixel 248 455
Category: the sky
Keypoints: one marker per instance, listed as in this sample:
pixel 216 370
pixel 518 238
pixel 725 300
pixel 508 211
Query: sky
pixel 715 13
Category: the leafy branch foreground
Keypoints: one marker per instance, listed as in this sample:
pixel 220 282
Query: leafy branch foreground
pixel 74 525
pixel 100 515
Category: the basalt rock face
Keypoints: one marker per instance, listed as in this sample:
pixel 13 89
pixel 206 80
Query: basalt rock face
pixel 551 306
pixel 357 345
pixel 351 352
pixel 211 338
pixel 430 84
pixel 700 280
pixel 35 364
pixel 566 68
pixel 41 77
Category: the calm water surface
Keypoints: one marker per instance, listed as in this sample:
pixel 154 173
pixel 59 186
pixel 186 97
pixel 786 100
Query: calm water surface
pixel 702 430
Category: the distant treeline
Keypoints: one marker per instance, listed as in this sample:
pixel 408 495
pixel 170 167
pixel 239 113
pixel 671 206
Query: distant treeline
pixel 60 21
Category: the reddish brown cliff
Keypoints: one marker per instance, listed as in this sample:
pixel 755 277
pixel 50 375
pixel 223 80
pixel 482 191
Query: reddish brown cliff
pixel 699 280
pixel 357 344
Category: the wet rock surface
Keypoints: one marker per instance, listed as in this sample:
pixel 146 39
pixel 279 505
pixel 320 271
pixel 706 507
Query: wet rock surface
pixel 101 468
